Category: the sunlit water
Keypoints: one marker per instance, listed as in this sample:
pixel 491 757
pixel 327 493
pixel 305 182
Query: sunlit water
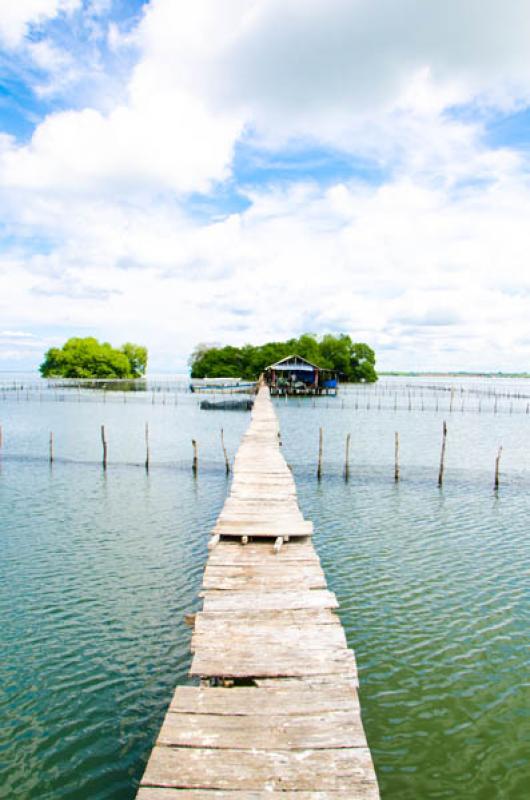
pixel 97 570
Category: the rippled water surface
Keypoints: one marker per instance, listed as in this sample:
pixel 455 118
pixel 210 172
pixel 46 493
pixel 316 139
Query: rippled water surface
pixel 97 570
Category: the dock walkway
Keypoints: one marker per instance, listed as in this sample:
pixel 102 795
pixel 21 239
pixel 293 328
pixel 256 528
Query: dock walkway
pixel 276 713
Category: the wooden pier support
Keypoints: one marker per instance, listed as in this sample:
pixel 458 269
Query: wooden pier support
pixel 105 447
pixel 227 462
pixel 195 463
pixel 497 467
pixel 320 451
pixel 276 714
pixel 442 456
pixel 347 458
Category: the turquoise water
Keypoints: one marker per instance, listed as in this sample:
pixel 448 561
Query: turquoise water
pixel 97 570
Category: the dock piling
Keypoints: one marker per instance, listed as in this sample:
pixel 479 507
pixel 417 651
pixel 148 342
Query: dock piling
pixel 147 447
pixel 227 462
pixel 320 450
pixel 347 458
pixel 442 456
pixel 195 464
pixel 497 466
pixel 104 445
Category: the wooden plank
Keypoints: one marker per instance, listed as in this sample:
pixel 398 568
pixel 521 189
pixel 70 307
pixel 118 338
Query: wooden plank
pixel 335 729
pixel 228 552
pixel 266 636
pixel 280 700
pixel 237 661
pixel 313 681
pixel 365 791
pixel 309 770
pixel 231 583
pixel 269 601
pixel 267 568
pixel 280 618
pixel 256 578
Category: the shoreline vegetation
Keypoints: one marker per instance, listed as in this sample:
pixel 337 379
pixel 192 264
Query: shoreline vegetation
pixel 353 361
pixel 450 374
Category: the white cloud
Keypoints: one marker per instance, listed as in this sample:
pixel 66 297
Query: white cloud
pixel 16 16
pixel 434 259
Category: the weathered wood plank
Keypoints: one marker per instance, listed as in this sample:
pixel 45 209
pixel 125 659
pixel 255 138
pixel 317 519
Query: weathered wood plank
pixel 309 770
pixel 234 553
pixel 280 700
pixel 269 601
pixel 238 661
pixel 215 633
pixel 282 617
pixel 257 578
pixel 335 729
pixel 365 791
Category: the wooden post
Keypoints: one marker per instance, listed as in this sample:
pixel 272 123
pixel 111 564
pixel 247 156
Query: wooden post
pixel 320 448
pixel 347 458
pixel 227 462
pixel 1 437
pixel 278 544
pixel 51 447
pixel 442 456
pixel 147 446
pixel 497 463
pixel 195 457
pixel 396 456
pixel 104 443
pixel 452 398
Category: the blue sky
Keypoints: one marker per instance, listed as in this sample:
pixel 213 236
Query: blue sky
pixel 174 173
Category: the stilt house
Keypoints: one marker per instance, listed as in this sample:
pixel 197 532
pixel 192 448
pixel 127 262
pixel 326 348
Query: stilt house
pixel 297 375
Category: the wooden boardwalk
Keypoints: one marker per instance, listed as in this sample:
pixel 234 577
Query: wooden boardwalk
pixel 276 713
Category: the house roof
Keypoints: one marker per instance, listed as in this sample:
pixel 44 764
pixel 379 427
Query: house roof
pixel 294 362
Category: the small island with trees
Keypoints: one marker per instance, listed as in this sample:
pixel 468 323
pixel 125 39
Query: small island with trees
pixel 87 358
pixel 353 361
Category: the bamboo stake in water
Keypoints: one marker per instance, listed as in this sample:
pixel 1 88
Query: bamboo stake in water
pixel 227 462
pixel 320 448
pixel 1 437
pixel 497 464
pixel 396 457
pixel 104 443
pixel 195 464
pixel 51 447
pixel 347 458
pixel 442 456
pixel 147 454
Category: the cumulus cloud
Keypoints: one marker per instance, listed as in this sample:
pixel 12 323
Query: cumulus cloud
pixel 432 256
pixel 16 16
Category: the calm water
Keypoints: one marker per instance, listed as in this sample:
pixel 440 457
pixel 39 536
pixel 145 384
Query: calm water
pixel 97 570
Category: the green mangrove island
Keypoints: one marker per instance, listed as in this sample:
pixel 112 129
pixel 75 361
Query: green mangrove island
pixel 88 358
pixel 353 361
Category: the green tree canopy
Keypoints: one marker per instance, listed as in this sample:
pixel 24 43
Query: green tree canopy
pixel 353 361
pixel 88 358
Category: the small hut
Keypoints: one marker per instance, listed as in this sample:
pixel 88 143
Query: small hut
pixel 297 375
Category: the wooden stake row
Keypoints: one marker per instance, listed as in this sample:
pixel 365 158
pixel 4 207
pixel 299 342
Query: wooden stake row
pixel 195 462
